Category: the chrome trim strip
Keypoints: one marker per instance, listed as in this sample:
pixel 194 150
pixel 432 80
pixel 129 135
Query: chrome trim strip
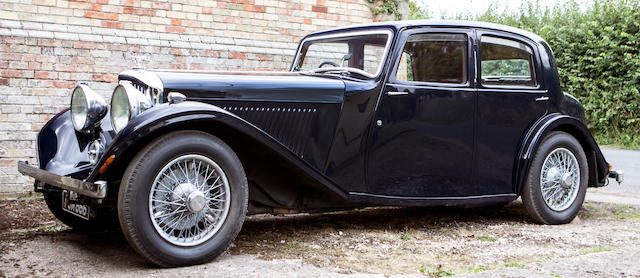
pixel 431 198
pixel 96 190
pixel 149 78
pixel 397 93
pixel 349 34
pixel 542 99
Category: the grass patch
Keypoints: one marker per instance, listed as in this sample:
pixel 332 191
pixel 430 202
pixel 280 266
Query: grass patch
pixel 588 211
pixel 291 245
pixel 477 269
pixel 404 235
pixel 486 238
pixel 30 195
pixel 46 228
pixel 595 250
pixel 514 264
pixel 623 212
pixel 438 272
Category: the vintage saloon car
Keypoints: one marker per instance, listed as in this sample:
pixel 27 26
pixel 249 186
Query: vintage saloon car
pixel 413 113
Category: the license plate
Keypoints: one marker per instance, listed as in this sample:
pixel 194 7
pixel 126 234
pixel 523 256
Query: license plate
pixel 74 206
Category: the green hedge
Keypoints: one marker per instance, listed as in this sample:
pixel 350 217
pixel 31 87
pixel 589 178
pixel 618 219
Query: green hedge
pixel 596 49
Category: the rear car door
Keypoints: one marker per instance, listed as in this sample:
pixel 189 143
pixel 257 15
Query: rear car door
pixel 511 99
pixel 423 132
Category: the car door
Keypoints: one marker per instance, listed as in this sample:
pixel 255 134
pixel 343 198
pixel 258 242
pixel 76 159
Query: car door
pixel 510 100
pixel 422 140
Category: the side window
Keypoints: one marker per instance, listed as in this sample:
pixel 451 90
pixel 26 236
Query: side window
pixel 506 63
pixel 434 57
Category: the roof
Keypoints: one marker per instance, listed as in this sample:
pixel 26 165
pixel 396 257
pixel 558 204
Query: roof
pixel 436 23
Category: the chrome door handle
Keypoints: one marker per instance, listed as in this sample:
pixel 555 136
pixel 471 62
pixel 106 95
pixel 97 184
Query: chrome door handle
pixel 542 99
pixel 397 93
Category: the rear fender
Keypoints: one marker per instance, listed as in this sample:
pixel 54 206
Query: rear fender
pixel 598 166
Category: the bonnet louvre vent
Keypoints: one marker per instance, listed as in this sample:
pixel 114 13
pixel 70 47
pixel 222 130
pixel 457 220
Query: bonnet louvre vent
pixel 290 125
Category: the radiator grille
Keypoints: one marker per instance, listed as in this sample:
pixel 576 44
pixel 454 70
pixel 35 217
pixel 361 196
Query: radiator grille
pixel 153 94
pixel 289 124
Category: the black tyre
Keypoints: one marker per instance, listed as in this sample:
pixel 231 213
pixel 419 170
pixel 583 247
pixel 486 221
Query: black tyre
pixel 183 199
pixel 104 220
pixel 557 180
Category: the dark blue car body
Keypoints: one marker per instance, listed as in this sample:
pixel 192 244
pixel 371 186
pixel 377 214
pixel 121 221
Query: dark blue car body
pixel 317 141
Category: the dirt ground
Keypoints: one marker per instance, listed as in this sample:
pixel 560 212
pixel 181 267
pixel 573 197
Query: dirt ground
pixel 485 242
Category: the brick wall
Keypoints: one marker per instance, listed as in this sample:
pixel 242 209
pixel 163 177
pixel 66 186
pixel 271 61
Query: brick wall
pixel 48 46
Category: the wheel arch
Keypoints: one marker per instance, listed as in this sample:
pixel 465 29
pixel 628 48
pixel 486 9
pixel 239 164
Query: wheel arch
pixel 598 166
pixel 257 151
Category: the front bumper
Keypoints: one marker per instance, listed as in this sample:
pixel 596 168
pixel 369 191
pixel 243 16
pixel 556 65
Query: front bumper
pixel 96 189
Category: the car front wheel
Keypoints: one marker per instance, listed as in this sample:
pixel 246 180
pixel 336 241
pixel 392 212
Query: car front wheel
pixel 557 181
pixel 183 199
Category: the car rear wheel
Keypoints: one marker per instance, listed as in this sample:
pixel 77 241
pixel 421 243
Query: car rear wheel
pixel 557 181
pixel 183 199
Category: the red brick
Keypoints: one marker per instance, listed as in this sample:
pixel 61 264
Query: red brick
pixel 103 2
pixel 130 3
pixel 4 65
pixel 237 55
pixel 262 57
pixel 320 2
pixel 175 21
pixel 46 75
pixel 8 162
pixel 96 7
pixel 254 8
pixel 283 11
pixel 307 21
pixel 46 42
pixel 127 10
pixel 10 57
pixel 112 24
pixel 82 60
pixel 295 6
pixel 4 82
pixel 319 9
pixel 99 15
pixel 206 10
pixel 14 40
pixel 209 53
pixel 285 31
pixel 34 66
pixel 175 29
pixel 84 45
pixel 147 12
pixel 229 19
pixel 161 5
pixel 191 23
pixel 105 77
pixel 64 84
pixel 11 73
pixel 66 68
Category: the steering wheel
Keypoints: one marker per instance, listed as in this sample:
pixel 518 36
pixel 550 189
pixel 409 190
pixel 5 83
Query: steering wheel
pixel 328 63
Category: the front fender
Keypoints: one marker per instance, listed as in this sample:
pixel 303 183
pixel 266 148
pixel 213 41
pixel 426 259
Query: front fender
pixel 598 166
pixel 167 117
pixel 63 151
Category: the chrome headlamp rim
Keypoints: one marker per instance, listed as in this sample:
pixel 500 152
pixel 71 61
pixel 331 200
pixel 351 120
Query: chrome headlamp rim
pixel 95 108
pixel 137 103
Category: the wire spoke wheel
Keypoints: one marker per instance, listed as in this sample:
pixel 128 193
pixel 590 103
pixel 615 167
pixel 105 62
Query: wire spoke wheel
pixel 189 200
pixel 560 179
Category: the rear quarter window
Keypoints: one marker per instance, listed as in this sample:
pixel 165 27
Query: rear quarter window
pixel 506 62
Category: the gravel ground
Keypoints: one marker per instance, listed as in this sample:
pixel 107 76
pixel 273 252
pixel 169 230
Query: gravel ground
pixel 380 242
pixel 485 242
